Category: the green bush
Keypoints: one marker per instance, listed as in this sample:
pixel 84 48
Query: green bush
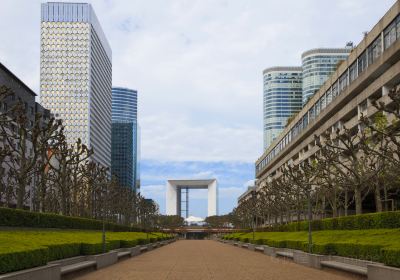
pixel 129 243
pixel 20 218
pixel 142 241
pixel 391 257
pixel 381 245
pixel 13 261
pixel 21 249
pixel 62 251
pixel 365 221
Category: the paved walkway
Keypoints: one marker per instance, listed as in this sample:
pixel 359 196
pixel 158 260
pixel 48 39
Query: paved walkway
pixel 206 259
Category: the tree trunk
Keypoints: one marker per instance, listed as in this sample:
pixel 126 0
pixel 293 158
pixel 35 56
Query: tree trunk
pixel 358 200
pixel 378 201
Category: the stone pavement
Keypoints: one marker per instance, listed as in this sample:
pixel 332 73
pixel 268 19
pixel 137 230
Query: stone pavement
pixel 207 259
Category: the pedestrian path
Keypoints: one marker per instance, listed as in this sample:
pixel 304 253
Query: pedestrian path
pixel 207 259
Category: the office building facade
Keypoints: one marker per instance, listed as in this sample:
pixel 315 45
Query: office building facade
pixel 318 65
pixel 365 77
pixel 282 99
pixel 125 154
pixel 75 75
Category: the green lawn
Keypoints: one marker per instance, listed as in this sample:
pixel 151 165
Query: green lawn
pixel 375 244
pixel 21 249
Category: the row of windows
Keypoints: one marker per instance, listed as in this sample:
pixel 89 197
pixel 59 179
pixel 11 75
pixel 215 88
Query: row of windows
pixel 368 57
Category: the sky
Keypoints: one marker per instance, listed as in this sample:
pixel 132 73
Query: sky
pixel 197 66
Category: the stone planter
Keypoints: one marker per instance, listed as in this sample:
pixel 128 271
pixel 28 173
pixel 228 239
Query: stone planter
pixel 103 260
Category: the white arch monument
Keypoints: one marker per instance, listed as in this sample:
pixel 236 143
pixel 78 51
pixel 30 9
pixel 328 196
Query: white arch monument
pixel 177 196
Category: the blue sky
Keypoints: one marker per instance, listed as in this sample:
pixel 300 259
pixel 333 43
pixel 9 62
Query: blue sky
pixel 197 66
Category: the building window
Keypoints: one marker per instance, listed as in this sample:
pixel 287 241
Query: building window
pixel 334 90
pixel 317 108
pixel 343 82
pixel 328 96
pixel 312 113
pixel 362 62
pixel 323 104
pixel 353 72
pixel 374 50
pixel 389 35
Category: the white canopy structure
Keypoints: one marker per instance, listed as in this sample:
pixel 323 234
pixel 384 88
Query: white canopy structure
pixel 193 219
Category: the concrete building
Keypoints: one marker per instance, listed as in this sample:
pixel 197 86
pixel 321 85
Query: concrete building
pixel 177 196
pixel 125 137
pixel 370 70
pixel 20 92
pixel 318 65
pixel 75 74
pixel 282 99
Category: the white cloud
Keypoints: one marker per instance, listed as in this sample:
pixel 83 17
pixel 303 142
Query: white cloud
pixel 177 139
pixel 153 191
pixel 230 192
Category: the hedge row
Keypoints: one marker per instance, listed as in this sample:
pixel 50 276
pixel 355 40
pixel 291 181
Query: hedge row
pixel 28 258
pixel 355 222
pixel 20 218
pixel 371 252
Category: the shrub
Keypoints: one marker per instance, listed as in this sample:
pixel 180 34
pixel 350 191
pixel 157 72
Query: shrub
pixel 13 261
pixel 129 243
pixel 391 257
pixel 142 241
pixel 21 218
pixel 365 221
pixel 62 251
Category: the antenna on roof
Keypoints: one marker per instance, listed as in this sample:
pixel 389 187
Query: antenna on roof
pixel 349 45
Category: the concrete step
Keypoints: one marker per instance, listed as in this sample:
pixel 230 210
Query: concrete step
pixel 285 254
pixel 123 254
pixel 259 248
pixel 143 248
pixel 345 267
pixel 77 267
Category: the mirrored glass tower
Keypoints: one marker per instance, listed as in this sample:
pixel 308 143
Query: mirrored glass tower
pixel 125 137
pixel 318 65
pixel 282 99
pixel 75 74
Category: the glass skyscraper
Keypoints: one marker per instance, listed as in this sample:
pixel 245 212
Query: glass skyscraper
pixel 75 74
pixel 318 65
pixel 282 99
pixel 125 156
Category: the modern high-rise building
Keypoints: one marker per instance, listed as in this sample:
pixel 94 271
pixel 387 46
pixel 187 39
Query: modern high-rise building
pixel 125 137
pixel 318 65
pixel 282 99
pixel 75 74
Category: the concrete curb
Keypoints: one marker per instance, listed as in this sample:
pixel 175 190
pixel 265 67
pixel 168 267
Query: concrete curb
pixel 47 272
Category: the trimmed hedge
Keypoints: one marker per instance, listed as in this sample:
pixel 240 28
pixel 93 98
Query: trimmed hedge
pixel 365 221
pixel 29 248
pixel 20 218
pixel 380 245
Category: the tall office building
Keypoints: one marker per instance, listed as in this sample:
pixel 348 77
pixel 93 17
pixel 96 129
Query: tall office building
pixel 282 99
pixel 318 65
pixel 75 75
pixel 125 137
